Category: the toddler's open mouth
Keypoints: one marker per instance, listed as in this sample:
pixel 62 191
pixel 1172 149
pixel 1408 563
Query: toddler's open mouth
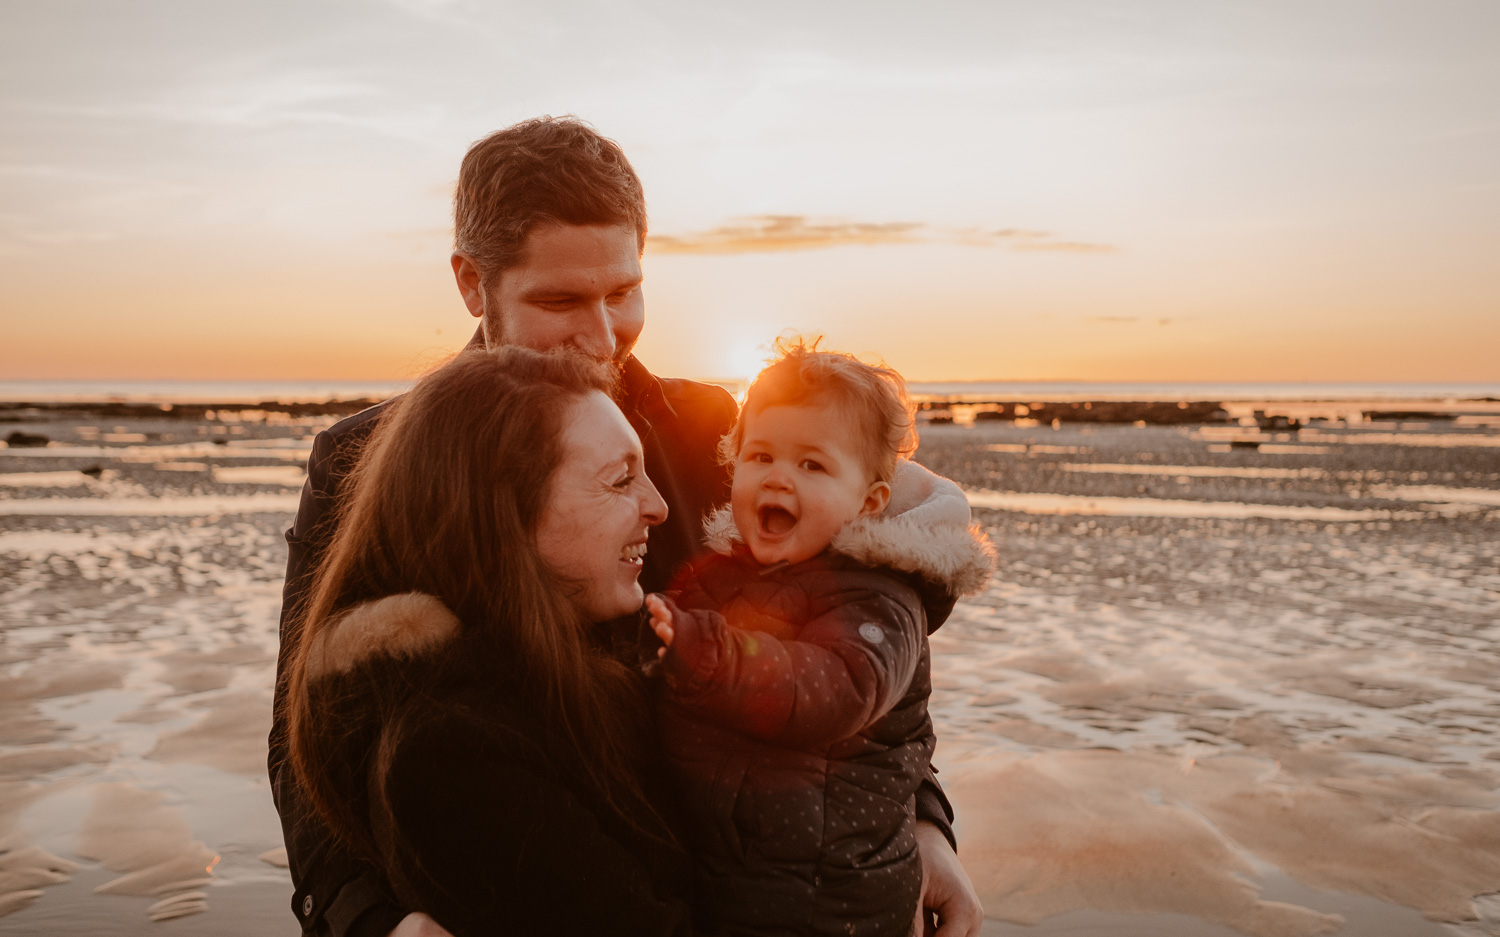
pixel 775 521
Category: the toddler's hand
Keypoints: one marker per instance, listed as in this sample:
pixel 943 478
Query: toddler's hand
pixel 661 621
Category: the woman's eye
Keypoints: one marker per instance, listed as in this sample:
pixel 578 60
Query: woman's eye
pixel 625 482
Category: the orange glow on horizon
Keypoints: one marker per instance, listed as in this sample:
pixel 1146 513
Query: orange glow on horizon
pixel 977 193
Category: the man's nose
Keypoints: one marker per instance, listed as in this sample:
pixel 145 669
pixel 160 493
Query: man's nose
pixel 594 333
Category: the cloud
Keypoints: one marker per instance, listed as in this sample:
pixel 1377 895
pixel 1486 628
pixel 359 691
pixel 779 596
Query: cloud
pixel 1126 320
pixel 1020 233
pixel 1067 247
pixel 289 97
pixel 764 233
pixel 767 233
pixel 448 12
pixel 1023 239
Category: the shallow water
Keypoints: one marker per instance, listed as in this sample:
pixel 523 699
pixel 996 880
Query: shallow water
pixel 1282 676
pixel 1272 708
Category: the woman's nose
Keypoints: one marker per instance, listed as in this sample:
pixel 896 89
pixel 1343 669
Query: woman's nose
pixel 653 508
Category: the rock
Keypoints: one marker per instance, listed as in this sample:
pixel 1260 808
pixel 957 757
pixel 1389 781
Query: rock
pixel 20 440
pixel 1397 415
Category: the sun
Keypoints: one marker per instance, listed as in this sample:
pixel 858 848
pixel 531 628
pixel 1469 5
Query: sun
pixel 746 359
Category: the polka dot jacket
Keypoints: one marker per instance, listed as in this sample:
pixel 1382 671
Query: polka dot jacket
pixel 793 710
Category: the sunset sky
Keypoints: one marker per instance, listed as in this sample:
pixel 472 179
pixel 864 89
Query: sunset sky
pixel 1061 190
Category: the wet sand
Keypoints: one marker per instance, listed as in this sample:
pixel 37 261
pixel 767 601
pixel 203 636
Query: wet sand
pixel 1212 690
pixel 1258 690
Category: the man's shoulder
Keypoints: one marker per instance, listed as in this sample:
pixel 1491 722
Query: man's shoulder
pixel 679 388
pixel 697 400
pixel 358 425
pixel 337 448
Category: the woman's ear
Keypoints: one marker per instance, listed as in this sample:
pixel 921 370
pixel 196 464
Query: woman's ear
pixel 876 498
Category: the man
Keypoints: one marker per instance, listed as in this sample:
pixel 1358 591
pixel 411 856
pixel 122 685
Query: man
pixel 549 225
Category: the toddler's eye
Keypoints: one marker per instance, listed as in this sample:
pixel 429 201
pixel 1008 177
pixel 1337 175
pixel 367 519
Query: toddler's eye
pixel 762 457
pixel 812 465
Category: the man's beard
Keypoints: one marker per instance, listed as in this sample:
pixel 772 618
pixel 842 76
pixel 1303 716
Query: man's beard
pixel 490 327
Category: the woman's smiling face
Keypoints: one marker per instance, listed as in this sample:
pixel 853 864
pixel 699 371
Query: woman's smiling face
pixel 798 479
pixel 593 530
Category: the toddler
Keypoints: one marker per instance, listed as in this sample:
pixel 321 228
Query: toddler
pixel 793 708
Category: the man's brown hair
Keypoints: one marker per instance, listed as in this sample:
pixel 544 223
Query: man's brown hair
pixel 547 170
pixel 872 397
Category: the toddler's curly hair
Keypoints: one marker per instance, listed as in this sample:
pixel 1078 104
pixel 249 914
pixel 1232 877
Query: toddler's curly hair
pixel 872 396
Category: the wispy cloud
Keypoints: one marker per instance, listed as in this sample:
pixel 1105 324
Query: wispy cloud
pixel 1127 320
pixel 766 233
pixel 306 97
pixel 452 12
pixel 770 233
pixel 1024 239
pixel 1069 247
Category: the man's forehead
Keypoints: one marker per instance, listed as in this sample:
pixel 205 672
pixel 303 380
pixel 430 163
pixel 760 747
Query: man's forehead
pixel 560 246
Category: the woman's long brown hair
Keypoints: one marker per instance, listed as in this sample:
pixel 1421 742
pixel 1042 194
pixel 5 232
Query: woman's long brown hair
pixel 445 501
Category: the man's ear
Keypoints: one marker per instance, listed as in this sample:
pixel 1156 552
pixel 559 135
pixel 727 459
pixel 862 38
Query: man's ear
pixel 470 285
pixel 876 499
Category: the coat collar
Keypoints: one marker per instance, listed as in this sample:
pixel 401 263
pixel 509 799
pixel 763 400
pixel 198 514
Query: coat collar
pixel 406 625
pixel 641 391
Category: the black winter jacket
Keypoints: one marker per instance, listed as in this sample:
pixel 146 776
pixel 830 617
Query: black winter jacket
pixel 478 816
pixel 680 423
pixel 794 714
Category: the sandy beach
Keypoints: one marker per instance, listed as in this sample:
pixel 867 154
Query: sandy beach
pixel 1229 678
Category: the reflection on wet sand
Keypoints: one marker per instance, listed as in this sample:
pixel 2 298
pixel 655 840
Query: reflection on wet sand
pixel 132 831
pixel 1165 711
pixel 1197 471
pixel 201 506
pixel 1042 503
pixel 1252 691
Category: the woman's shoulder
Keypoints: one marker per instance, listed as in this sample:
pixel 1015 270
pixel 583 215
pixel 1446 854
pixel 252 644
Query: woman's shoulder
pixel 403 626
pixel 462 727
pixel 453 702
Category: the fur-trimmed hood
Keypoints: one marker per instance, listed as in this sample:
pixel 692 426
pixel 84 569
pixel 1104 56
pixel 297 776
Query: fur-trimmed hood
pixel 404 625
pixel 924 530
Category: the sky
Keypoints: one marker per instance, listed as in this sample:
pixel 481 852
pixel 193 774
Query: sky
pixel 1060 190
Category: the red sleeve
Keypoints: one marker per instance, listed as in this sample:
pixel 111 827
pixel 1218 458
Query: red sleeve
pixel 845 670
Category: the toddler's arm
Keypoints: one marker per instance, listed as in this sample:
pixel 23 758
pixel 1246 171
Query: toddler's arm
pixel 847 668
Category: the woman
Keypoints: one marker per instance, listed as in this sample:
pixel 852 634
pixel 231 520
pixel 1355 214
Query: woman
pixel 454 712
